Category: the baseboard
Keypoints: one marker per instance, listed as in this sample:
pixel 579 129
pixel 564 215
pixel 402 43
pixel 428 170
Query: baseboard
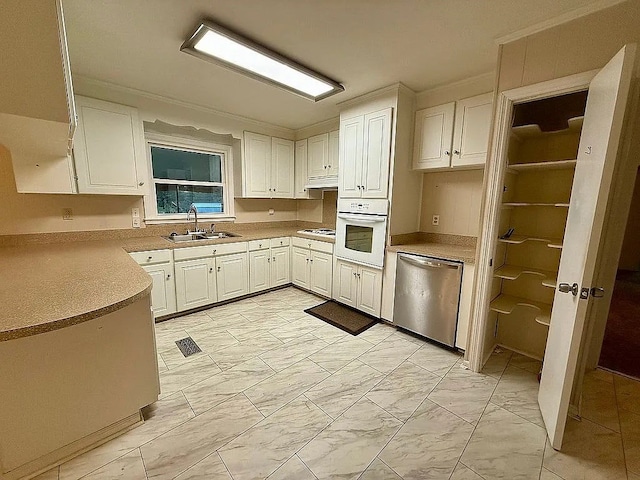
pixel 66 453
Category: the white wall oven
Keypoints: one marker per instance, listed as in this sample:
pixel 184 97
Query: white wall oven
pixel 361 230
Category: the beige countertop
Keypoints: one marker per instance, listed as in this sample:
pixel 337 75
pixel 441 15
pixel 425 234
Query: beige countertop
pixel 444 251
pixel 55 285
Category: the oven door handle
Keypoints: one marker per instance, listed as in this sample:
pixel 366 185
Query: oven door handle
pixel 362 219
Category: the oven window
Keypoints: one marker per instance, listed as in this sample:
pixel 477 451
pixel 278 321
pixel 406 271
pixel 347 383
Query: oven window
pixel 359 238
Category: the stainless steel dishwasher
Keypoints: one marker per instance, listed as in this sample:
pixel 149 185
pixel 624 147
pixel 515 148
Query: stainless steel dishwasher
pixel 427 297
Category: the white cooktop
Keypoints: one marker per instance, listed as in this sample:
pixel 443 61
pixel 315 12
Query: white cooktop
pixel 319 232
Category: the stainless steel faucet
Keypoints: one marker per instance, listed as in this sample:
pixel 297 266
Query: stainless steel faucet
pixel 192 208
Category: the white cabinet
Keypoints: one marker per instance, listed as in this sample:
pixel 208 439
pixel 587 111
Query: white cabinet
pixel 159 265
pixel 322 159
pixel 454 135
pixel 301 169
pixel 267 167
pixel 358 286
pixel 109 151
pixel 312 265
pixel 195 283
pixel 269 263
pixel 232 276
pixel 365 149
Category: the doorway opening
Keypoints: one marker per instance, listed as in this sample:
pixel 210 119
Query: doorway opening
pixel 621 346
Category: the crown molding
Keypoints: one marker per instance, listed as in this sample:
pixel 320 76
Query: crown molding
pixel 394 88
pixel 180 103
pixel 483 77
pixel 559 20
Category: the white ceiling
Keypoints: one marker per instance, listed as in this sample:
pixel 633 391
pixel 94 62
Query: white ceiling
pixel 364 44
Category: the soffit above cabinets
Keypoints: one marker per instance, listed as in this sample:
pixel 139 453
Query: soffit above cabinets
pixel 363 44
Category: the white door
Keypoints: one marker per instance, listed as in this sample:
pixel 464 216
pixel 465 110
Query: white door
pixel 320 273
pixel 318 154
pixel 376 154
pixel 351 143
pixel 301 177
pixel 369 290
pixel 471 130
pixel 163 292
pixel 345 283
pixel 599 142
pixel 232 276
pixel 280 266
pixel 300 267
pixel 256 165
pixel 282 161
pixel 334 149
pixel 433 135
pixel 195 283
pixel 108 150
pixel 259 270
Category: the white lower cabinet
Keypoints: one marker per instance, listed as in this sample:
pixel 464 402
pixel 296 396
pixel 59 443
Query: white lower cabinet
pixel 232 276
pixel 358 286
pixel 259 276
pixel 195 283
pixel 312 265
pixel 269 263
pixel 280 266
pixel 159 265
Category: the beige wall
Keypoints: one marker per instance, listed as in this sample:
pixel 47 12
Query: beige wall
pixel 630 255
pixel 456 197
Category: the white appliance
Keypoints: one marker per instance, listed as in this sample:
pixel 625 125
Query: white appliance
pixel 361 230
pixel 319 232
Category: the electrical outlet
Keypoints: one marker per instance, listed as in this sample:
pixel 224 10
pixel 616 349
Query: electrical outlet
pixel 272 211
pixel 435 220
pixel 135 222
pixel 135 212
pixel 67 214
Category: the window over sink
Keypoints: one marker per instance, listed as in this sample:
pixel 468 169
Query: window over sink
pixel 185 172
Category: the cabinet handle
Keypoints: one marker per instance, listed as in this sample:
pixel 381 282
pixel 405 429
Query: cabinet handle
pixel 168 276
pixel 307 260
pixel 354 274
pixel 358 275
pixel 447 153
pixel 149 259
pixel 219 268
pixel 324 166
pixel 214 252
pixel 268 260
pixel 274 259
pixel 141 183
pixel 210 269
pixel 311 260
pixel 259 245
pixel 457 152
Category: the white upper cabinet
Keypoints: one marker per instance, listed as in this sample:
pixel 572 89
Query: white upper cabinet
pixel 322 160
pixel 365 149
pixel 37 111
pixel 267 167
pixel 109 148
pixel 301 169
pixel 454 135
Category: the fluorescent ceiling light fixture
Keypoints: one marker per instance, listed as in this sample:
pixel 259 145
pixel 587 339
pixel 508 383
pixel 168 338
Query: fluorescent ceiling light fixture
pixel 217 44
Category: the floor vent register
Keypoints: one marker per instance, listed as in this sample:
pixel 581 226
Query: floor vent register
pixel 187 346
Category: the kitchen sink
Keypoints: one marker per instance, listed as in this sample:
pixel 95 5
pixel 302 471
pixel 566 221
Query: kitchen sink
pixel 193 237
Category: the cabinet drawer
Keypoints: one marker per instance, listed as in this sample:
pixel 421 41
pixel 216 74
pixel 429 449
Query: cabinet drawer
pixel 281 242
pixel 258 245
pixel 313 244
pixel 152 256
pixel 189 253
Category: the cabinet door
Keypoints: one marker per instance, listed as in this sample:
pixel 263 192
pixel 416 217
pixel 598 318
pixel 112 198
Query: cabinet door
pixel 280 266
pixel 369 290
pixel 259 270
pixel 195 283
pixel 108 148
pixel 334 152
pixel 471 130
pixel 301 169
pixel 376 154
pixel 320 273
pixel 433 136
pixel 318 155
pixel 351 143
pixel 256 165
pixel 282 176
pixel 163 292
pixel 345 282
pixel 232 276
pixel 300 267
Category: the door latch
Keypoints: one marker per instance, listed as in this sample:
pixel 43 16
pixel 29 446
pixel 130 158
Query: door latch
pixel 566 288
pixel 597 292
pixel 584 293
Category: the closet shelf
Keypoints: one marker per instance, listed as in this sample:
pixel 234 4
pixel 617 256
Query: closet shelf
pixel 533 130
pixel 513 272
pixel 505 304
pixel 533 204
pixel 548 165
pixel 519 239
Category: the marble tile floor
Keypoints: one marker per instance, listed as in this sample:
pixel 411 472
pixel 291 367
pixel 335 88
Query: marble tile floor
pixel 279 394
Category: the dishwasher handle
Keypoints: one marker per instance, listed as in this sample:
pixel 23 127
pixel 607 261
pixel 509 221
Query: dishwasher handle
pixel 428 263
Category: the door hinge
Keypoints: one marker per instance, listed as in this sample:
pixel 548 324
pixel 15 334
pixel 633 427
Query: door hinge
pixel 495 331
